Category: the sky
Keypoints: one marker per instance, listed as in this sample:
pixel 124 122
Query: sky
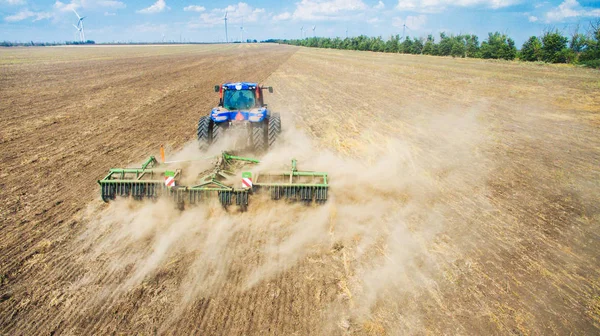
pixel 202 21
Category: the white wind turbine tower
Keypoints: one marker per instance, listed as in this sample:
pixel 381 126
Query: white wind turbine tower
pixel 242 31
pixel 79 27
pixel 225 19
pixel 314 27
pixel 301 32
pixel 78 33
pixel 404 27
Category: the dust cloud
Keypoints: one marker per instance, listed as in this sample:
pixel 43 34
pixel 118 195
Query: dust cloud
pixel 387 210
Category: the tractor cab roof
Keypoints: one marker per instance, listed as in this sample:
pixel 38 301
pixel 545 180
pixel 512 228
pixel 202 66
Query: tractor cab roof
pixel 240 86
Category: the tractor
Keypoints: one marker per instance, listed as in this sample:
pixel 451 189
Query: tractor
pixel 242 108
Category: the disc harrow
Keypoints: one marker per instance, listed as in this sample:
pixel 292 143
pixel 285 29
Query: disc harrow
pixel 154 180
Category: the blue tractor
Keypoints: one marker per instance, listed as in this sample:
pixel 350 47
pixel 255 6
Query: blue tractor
pixel 241 106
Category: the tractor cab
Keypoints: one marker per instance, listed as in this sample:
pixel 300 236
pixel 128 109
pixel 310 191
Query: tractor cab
pixel 241 107
pixel 241 96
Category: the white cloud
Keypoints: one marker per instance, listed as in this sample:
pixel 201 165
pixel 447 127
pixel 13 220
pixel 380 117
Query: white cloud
pixel 194 8
pixel 326 10
pixel 157 7
pixel 109 14
pixel 436 6
pixel 532 18
pixel 570 9
pixel 412 22
pixel 282 17
pixel 13 2
pixel 331 10
pixel 63 7
pixel 105 3
pixel 26 14
pixel 373 20
pixel 241 11
pixel 235 14
pixel 87 4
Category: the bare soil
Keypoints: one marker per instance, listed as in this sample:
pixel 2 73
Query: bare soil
pixel 465 196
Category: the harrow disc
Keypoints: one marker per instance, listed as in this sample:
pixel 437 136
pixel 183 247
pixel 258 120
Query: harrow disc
pixel 151 183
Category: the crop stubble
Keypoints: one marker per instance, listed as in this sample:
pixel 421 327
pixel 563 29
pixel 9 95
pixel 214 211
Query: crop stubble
pixel 464 196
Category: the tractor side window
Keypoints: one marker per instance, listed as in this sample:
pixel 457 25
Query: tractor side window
pixel 239 99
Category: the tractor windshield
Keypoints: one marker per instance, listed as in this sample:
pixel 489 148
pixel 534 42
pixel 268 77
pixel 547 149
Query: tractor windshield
pixel 239 99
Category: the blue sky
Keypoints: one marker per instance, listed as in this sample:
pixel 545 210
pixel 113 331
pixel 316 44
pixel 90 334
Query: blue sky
pixel 202 21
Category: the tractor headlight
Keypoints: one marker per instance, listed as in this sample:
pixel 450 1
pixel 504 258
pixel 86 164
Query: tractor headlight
pixel 219 118
pixel 255 117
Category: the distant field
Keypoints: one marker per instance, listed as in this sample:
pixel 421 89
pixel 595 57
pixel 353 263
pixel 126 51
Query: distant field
pixel 465 196
pixel 61 54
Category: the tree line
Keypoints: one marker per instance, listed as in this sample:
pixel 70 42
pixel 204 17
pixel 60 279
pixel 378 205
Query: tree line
pixel 42 44
pixel 551 47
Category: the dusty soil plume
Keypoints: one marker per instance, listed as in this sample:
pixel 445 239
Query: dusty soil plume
pixel 497 228
pixel 463 196
pixel 71 113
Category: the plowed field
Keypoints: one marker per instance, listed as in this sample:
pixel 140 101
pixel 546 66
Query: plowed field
pixel 464 196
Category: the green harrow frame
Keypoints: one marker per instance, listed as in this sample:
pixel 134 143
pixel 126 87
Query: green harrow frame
pixel 154 180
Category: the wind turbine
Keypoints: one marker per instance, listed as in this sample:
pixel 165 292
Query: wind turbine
pixel 346 32
pixel 79 26
pixel 225 19
pixel 78 32
pixel 314 27
pixel 404 27
pixel 301 32
pixel 242 31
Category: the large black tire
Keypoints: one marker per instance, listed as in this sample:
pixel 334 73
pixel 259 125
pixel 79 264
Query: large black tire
pixel 259 137
pixel 218 130
pixel 205 125
pixel 274 128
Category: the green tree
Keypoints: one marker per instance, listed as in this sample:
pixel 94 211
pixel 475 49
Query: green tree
pixel 417 46
pixel 472 46
pixel 406 46
pixel 553 47
pixel 458 47
pixel 591 53
pixel 445 45
pixel 392 44
pixel 532 50
pixel 429 45
pixel 577 43
pixel 498 46
pixel 378 44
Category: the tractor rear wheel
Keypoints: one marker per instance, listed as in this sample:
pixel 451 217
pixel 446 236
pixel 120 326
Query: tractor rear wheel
pixel 274 129
pixel 259 140
pixel 205 125
pixel 218 131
